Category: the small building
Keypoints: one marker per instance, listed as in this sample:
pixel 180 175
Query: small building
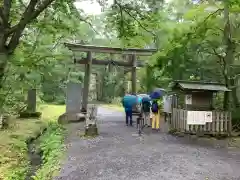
pixel 193 109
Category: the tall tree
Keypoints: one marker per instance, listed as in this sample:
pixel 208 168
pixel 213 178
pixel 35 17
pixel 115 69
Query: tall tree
pixel 16 16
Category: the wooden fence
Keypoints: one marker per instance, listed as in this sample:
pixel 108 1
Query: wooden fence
pixel 221 123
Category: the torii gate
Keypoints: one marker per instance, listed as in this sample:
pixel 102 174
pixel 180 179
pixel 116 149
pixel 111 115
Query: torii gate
pixel 129 53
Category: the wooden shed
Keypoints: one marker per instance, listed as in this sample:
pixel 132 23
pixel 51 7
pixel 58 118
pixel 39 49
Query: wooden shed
pixel 193 110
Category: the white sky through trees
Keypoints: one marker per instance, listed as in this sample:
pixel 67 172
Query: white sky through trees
pixel 92 7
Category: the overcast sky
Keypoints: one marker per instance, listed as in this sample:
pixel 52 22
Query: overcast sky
pixel 90 7
pixel 93 7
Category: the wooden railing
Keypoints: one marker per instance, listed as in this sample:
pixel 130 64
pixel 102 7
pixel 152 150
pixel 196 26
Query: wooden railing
pixel 221 123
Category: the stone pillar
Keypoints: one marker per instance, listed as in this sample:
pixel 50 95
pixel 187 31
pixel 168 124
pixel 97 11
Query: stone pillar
pixel 31 112
pixel 134 74
pixel 73 104
pixel 86 85
pixel 91 121
pixel 73 97
pixel 31 100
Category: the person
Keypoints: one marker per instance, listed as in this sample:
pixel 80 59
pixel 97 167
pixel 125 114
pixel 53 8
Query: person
pixel 128 111
pixel 156 105
pixel 146 108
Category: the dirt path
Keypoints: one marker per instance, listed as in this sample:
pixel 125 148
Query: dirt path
pixel 119 154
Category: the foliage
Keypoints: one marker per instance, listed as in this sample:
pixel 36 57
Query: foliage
pixel 196 40
pixel 40 56
pixel 13 147
pixel 51 144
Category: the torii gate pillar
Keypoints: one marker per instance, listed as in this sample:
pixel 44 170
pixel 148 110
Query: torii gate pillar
pixel 134 74
pixel 87 76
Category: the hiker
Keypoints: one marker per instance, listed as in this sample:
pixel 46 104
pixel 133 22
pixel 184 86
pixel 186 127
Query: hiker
pixel 156 105
pixel 128 101
pixel 146 108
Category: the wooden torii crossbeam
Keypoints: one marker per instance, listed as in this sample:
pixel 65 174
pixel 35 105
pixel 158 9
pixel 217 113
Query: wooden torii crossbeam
pixel 130 53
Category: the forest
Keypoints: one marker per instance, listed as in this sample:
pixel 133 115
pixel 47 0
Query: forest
pixel 195 40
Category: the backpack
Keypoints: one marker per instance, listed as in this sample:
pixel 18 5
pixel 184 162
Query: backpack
pixel 154 107
pixel 146 106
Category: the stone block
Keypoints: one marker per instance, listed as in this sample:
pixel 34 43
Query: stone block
pixel 73 97
pixel 91 130
pixel 71 118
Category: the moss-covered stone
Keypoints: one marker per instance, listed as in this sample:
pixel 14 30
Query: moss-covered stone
pixel 172 131
pixel 27 114
pixel 91 130
pixel 71 118
pixel 4 124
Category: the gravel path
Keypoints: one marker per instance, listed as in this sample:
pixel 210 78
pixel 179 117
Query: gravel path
pixel 120 154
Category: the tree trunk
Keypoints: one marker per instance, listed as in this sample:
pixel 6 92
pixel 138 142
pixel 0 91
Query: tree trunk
pixel 233 83
pixel 3 64
pixel 229 57
pixel 149 75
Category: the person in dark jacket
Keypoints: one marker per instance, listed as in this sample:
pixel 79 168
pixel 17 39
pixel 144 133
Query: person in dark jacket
pixel 146 108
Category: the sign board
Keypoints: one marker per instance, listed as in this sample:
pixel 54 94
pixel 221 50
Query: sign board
pixel 208 116
pixel 188 99
pixel 167 102
pixel 199 117
pixel 196 118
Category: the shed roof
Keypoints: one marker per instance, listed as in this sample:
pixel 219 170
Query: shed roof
pixel 196 85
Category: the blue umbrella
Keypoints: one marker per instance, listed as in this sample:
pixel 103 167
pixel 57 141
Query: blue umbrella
pixel 139 99
pixel 157 93
pixel 129 100
pixel 146 99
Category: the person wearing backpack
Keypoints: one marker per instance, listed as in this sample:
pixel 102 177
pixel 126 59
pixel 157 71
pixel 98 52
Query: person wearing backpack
pixel 156 104
pixel 146 108
pixel 128 106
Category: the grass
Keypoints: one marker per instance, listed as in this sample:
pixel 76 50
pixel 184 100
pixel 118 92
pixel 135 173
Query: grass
pixel 234 142
pixel 13 148
pixel 51 144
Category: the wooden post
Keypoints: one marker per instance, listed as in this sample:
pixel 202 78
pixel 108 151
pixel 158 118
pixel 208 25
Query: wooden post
pixel 110 66
pixel 134 74
pixel 98 86
pixel 125 71
pixel 86 85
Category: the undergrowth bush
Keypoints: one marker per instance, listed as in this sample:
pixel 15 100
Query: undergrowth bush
pixel 117 101
pixel 236 119
pixel 51 145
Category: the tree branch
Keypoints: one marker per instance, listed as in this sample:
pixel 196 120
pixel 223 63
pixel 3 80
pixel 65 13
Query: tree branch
pixel 132 16
pixel 89 23
pixel 212 14
pixel 3 19
pixel 41 8
pixel 7 4
pixel 58 40
pixel 218 55
pixel 22 3
pixel 31 12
